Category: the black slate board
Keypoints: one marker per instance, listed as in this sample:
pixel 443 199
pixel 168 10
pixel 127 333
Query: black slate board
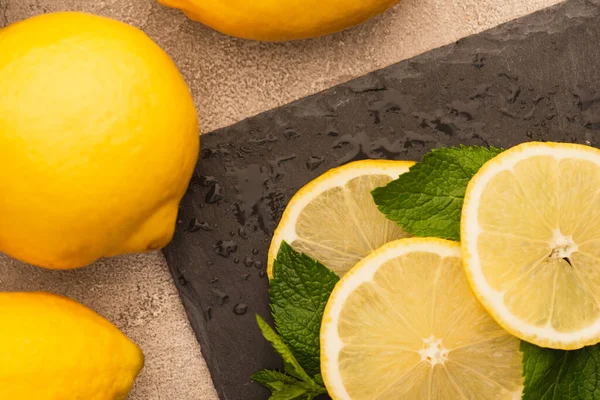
pixel 536 78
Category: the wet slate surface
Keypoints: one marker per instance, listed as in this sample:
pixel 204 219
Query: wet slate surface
pixel 536 78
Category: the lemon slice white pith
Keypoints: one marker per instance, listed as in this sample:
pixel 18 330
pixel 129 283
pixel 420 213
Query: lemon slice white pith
pixel 403 324
pixel 334 218
pixel 530 236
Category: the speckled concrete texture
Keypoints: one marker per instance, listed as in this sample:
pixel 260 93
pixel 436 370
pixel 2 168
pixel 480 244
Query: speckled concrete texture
pixel 231 79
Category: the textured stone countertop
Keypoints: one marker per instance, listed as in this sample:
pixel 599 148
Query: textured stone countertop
pixel 231 79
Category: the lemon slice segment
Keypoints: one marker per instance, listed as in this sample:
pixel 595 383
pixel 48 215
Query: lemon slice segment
pixel 404 324
pixel 334 218
pixel 531 241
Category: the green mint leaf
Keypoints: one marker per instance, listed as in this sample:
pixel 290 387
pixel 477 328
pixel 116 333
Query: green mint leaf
pixel 299 391
pixel 292 366
pixel 299 292
pixel 319 379
pixel 285 387
pixel 273 379
pixel 427 200
pixel 561 375
pixel 290 392
pixel 296 392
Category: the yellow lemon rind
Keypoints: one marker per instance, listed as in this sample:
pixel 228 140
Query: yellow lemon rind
pixel 485 294
pixel 364 271
pixel 334 177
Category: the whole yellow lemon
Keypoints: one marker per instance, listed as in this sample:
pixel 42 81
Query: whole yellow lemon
pixel 52 348
pixel 279 20
pixel 98 140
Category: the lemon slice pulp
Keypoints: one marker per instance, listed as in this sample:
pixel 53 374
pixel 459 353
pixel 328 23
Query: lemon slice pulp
pixel 334 218
pixel 403 324
pixel 531 241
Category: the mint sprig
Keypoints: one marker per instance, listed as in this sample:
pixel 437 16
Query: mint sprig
pixel 299 292
pixel 559 374
pixel 427 200
pixel 295 384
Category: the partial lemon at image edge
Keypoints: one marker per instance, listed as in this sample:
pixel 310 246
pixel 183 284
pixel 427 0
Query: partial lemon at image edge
pixel 404 324
pixel 530 235
pixel 98 140
pixel 272 20
pixel 334 219
pixel 52 347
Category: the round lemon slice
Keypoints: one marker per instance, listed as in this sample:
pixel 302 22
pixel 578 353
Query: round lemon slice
pixel 530 235
pixel 404 324
pixel 334 218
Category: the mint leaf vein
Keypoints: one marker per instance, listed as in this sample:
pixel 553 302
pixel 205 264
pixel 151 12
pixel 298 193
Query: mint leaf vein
pixel 427 200
pixel 299 292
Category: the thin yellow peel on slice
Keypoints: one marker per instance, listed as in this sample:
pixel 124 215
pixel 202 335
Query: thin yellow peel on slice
pixel 334 219
pixel 404 324
pixel 530 232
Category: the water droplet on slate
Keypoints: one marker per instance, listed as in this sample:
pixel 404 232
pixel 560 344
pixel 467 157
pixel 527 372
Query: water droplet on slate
pixel 467 110
pixel 246 277
pixel 236 260
pixel 368 83
pixel 242 233
pixel 248 262
pixel 215 193
pixel 360 147
pixel 225 247
pixel 586 98
pixel 222 296
pixel 291 134
pixel 276 165
pixel 196 225
pixel 232 233
pixel 209 313
pixel 480 91
pixel 250 188
pixel 258 264
pixel 207 181
pixel 314 162
pixel 262 274
pixel 255 251
pixel 270 138
pixel 515 91
pixel 240 309
pixel 479 61
pixel 207 153
pixel 214 280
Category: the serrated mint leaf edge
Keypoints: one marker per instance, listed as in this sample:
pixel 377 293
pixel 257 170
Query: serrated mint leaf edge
pixel 267 377
pixel 450 226
pixel 288 263
pixel 292 366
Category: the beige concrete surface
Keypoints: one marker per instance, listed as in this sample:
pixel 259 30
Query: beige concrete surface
pixel 231 79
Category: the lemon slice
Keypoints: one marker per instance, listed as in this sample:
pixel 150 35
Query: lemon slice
pixel 531 242
pixel 334 218
pixel 404 324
